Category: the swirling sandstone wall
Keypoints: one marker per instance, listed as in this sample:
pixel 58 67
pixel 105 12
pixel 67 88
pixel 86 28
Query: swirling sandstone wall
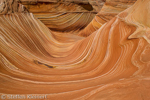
pixel 64 15
pixel 112 63
pixel 109 10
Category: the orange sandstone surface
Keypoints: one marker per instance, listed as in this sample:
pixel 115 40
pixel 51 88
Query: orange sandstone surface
pixel 113 63
pixel 64 15
pixel 109 10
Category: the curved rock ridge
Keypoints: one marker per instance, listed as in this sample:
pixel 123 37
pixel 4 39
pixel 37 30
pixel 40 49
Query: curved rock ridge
pixel 110 9
pixel 112 63
pixel 62 16
pixel 11 6
pixel 142 22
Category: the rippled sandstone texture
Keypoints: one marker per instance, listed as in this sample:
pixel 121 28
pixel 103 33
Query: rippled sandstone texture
pixel 109 10
pixel 112 63
pixel 11 6
pixel 64 15
pixel 96 4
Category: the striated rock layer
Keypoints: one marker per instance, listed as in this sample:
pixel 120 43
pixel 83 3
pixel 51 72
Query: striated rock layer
pixel 96 4
pixel 62 15
pixel 110 9
pixel 11 6
pixel 112 63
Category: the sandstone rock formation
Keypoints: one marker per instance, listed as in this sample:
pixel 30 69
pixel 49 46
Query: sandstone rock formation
pixel 96 4
pixel 110 9
pixel 62 15
pixel 112 63
pixel 11 6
